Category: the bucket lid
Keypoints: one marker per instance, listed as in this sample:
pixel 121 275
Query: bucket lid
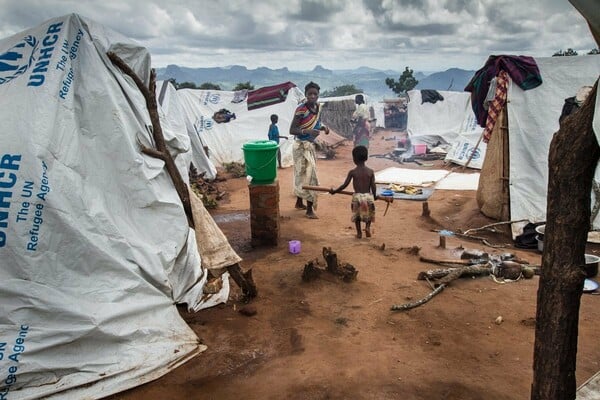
pixel 260 145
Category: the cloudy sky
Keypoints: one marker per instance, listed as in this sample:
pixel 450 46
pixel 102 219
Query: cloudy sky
pixel 426 35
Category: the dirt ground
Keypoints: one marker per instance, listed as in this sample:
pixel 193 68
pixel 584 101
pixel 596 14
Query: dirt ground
pixel 333 340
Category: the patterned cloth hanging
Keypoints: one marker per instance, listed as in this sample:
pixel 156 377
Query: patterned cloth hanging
pixel 496 105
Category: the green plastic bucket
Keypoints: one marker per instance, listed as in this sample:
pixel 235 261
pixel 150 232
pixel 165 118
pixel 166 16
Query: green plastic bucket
pixel 260 157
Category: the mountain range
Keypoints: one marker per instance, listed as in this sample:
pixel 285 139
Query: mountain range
pixel 371 81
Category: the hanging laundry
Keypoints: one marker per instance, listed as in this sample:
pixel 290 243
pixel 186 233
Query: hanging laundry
pixel 431 96
pixel 495 107
pixel 239 96
pixel 268 95
pixel 523 71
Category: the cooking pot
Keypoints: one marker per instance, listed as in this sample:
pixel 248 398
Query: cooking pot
pixel 591 265
pixel 540 242
pixel 540 229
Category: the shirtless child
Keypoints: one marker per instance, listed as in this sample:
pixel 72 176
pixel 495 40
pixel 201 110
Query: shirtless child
pixel 363 199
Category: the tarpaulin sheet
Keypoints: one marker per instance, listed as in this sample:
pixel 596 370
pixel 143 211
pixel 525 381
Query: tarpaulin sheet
pixel 446 118
pixel 94 245
pixel 225 140
pixel 188 142
pixel 532 121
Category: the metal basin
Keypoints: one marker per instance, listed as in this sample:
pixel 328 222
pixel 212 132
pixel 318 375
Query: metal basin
pixel 591 265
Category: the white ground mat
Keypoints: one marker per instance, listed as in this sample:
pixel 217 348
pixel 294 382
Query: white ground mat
pixel 441 179
pixel 405 176
pixel 459 181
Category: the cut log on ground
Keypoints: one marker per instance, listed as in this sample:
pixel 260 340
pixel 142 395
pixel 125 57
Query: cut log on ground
pixel 453 261
pixel 448 275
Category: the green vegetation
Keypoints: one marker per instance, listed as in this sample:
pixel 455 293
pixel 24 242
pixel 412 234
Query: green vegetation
pixel 209 86
pixel 192 85
pixel 568 52
pixel 243 85
pixel 571 52
pixel 343 90
pixel 405 83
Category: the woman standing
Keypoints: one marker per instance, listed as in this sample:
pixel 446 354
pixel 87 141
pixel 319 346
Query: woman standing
pixel 361 118
pixel 306 126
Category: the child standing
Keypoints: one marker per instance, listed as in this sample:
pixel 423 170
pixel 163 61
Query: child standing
pixel 274 136
pixel 365 191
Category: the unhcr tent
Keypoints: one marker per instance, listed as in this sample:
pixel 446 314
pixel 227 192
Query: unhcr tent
pixel 95 248
pixel 514 177
pixel 190 144
pixel 452 120
pixel 225 140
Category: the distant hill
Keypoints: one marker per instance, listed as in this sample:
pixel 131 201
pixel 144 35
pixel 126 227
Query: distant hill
pixel 371 81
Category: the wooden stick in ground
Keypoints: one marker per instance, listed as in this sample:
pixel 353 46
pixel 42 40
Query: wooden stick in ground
pixel 453 274
pixel 477 238
pixel 161 151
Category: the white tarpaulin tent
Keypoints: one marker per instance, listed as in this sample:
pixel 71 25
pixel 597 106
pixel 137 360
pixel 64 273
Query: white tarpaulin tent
pixel 532 121
pixel 225 140
pixel 189 142
pixel 94 243
pixel 453 120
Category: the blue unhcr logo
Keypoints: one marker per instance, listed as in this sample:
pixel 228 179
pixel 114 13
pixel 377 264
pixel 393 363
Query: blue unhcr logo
pixel 212 98
pixel 476 153
pixel 17 59
pixel 203 124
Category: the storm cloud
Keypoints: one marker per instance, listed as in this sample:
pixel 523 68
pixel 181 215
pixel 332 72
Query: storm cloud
pixel 428 35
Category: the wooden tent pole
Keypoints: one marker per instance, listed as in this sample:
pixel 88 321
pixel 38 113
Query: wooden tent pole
pixel 473 152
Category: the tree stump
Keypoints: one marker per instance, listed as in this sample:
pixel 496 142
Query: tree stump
pixel 311 272
pixel 345 270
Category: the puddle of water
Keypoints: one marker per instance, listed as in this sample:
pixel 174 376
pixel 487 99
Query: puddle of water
pixel 232 217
